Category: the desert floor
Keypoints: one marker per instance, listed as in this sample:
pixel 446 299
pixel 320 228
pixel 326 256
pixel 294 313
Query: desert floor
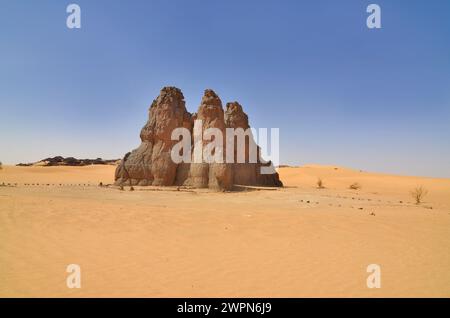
pixel 299 241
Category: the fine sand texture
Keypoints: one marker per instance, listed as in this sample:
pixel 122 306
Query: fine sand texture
pixel 297 241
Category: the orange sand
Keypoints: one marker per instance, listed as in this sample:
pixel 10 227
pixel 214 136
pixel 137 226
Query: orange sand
pixel 159 242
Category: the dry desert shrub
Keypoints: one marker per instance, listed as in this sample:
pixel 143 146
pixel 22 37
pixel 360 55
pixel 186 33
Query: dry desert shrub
pixel 320 183
pixel 419 193
pixel 1 166
pixel 355 186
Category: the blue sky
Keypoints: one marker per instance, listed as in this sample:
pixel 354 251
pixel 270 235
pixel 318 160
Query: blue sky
pixel 341 94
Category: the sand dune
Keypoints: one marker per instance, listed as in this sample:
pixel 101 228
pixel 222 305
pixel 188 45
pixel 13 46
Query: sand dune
pixel 298 241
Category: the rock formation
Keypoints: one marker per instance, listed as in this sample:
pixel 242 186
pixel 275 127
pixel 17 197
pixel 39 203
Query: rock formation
pixel 70 161
pixel 151 162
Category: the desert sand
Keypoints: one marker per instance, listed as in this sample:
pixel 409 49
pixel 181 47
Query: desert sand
pixel 296 241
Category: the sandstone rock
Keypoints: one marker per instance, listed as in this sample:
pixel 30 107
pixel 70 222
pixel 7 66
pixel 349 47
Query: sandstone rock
pixel 213 175
pixel 151 163
pixel 248 173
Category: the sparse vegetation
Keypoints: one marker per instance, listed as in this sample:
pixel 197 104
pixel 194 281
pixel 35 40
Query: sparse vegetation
pixel 419 193
pixel 131 188
pixel 1 166
pixel 355 186
pixel 320 184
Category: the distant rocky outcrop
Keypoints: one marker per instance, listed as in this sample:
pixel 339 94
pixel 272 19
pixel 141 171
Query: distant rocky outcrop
pixel 69 161
pixel 151 162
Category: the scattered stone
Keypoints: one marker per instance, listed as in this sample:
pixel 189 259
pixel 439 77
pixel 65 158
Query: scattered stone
pixel 355 186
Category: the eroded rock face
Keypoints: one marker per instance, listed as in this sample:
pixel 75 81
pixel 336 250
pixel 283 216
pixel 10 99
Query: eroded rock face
pixel 151 162
pixel 210 175
pixel 248 173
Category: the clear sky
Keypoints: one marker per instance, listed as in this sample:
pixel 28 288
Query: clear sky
pixel 341 94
